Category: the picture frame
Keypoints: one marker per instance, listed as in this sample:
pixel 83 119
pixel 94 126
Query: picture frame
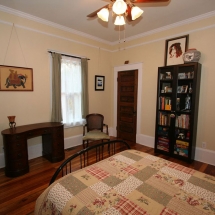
pixel 179 89
pixel 184 88
pixel 169 90
pixel 16 78
pixel 99 82
pixel 181 75
pixel 165 86
pixel 174 50
pixel 168 75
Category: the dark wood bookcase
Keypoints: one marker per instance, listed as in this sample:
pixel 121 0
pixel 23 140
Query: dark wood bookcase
pixel 178 89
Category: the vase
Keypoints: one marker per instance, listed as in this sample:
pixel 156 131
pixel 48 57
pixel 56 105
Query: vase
pixel 12 122
pixel 191 55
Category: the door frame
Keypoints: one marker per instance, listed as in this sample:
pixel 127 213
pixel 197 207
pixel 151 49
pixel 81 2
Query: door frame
pixel 126 67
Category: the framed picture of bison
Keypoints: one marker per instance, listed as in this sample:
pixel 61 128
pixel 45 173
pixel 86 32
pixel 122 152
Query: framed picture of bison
pixel 16 78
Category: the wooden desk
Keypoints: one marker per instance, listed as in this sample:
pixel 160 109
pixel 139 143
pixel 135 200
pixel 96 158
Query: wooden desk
pixel 16 149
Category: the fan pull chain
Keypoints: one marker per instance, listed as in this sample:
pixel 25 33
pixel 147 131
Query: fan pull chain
pixel 124 35
pixel 119 38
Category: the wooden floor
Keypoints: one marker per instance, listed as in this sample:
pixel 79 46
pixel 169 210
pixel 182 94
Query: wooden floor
pixel 18 195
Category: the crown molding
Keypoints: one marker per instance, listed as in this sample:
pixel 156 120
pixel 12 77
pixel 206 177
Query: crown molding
pixel 164 28
pixel 167 27
pixel 52 24
pixel 54 35
pixel 164 38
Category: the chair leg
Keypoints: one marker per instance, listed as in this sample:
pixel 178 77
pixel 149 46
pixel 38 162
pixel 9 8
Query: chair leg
pixel 84 153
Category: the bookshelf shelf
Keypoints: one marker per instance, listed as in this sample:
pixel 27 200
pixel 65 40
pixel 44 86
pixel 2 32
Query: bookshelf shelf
pixel 177 110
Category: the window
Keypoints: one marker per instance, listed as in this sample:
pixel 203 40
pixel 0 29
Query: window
pixel 71 91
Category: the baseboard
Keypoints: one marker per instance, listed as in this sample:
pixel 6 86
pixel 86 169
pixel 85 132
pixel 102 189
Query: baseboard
pixel 202 155
pixel 205 156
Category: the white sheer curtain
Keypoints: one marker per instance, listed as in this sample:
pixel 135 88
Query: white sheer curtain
pixel 71 91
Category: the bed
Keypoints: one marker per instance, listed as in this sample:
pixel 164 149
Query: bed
pixel 130 182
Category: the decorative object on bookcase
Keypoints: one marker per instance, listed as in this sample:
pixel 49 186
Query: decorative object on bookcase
pixel 176 118
pixel 187 102
pixel 12 122
pixel 191 55
pixel 178 104
pixel 184 89
pixel 190 88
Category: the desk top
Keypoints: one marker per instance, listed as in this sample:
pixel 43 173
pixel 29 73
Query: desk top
pixel 30 127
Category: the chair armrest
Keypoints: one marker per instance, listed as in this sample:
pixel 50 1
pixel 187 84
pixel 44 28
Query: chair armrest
pixel 84 129
pixel 105 125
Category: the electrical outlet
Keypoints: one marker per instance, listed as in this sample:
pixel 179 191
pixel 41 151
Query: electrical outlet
pixel 204 145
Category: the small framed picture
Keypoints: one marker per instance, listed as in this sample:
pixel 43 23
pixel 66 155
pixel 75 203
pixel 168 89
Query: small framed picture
pixel 184 88
pixel 162 76
pixel 174 50
pixel 179 89
pixel 169 90
pixel 99 82
pixel 181 75
pixel 168 75
pixel 165 86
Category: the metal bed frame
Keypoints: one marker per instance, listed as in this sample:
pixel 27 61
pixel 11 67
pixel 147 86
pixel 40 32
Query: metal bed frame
pixel 99 154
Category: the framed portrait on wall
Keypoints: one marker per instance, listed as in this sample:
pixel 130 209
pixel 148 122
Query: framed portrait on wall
pixel 99 82
pixel 174 50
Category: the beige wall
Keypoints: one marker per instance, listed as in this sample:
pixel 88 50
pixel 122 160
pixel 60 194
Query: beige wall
pixel 150 51
pixel 28 47
pixel 36 38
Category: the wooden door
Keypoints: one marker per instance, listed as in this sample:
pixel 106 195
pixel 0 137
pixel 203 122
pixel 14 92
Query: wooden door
pixel 127 105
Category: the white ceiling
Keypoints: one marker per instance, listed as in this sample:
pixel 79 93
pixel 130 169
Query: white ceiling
pixel 73 15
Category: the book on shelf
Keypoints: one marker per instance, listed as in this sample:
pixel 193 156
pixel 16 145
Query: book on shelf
pixel 182 121
pixel 163 144
pixel 181 148
pixel 182 144
pixel 164 103
pixel 164 119
pixel 163 131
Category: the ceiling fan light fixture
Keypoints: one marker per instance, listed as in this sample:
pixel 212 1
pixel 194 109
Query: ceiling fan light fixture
pixel 119 20
pixel 119 7
pixel 103 14
pixel 136 12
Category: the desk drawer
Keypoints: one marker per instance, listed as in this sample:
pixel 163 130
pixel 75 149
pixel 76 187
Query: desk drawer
pixel 14 138
pixel 17 165
pixel 58 145
pixel 17 155
pixel 58 133
pixel 11 149
pixel 38 132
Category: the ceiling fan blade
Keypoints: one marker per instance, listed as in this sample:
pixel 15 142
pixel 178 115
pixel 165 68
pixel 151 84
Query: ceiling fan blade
pixel 148 1
pixel 95 12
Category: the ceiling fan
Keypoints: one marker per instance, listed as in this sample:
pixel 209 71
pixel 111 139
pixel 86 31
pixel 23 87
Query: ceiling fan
pixel 122 8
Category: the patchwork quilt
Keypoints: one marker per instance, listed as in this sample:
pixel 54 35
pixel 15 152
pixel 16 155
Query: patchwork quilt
pixel 130 182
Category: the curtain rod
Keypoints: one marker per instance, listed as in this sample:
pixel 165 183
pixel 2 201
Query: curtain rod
pixel 68 55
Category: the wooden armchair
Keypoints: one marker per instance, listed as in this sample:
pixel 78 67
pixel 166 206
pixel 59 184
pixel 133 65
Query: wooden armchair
pixel 93 129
